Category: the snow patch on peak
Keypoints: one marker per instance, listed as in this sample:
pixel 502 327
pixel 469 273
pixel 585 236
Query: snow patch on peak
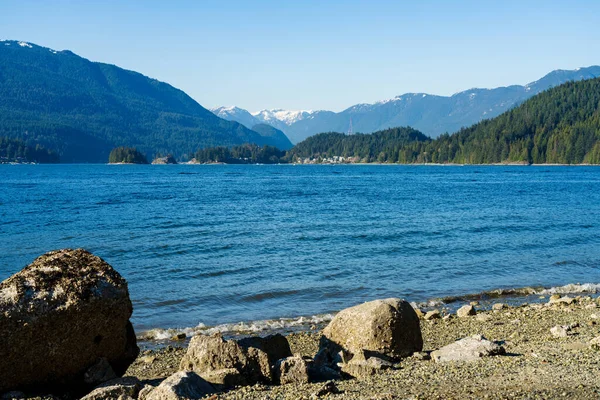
pixel 25 44
pixel 285 116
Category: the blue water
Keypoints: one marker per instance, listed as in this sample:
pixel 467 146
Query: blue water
pixel 217 244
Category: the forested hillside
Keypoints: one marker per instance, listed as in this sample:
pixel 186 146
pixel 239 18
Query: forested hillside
pixel 384 146
pixel 245 154
pixel 561 125
pixel 83 109
pixel 13 150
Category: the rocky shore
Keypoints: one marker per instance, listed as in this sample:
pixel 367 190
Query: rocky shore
pixel 536 363
pixel 382 349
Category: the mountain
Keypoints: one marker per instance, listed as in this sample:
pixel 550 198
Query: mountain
pixel 236 114
pixel 431 114
pixel 560 125
pixel 276 136
pixel 83 109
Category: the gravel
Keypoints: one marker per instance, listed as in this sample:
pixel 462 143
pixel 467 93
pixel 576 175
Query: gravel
pixel 536 366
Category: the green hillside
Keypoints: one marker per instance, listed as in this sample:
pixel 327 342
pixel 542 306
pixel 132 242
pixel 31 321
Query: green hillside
pixel 83 109
pixel 560 125
pixel 14 150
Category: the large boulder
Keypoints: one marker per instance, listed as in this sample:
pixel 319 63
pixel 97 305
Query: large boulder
pixel 65 314
pixel 225 362
pixel 387 329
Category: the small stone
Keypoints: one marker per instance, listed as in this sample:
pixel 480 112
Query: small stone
pixel 115 389
pixel 148 359
pixel 560 331
pixel 595 343
pixel 483 317
pixel 591 323
pixel 554 297
pixel 328 388
pixel 466 311
pixel 100 372
pixel 179 336
pixel 421 356
pixel 433 314
pixel 365 368
pixel 291 370
pixel 419 312
pixel 498 306
pixel 474 303
pixel 181 385
pixel 562 300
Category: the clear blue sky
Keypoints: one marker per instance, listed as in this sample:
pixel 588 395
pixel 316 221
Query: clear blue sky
pixel 317 54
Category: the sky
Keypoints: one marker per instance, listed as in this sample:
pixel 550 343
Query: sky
pixel 317 54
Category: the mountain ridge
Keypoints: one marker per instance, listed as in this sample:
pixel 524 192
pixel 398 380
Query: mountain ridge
pixel 83 109
pixel 431 114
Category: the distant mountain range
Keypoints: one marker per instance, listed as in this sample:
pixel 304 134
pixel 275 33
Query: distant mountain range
pixel 83 109
pixel 431 114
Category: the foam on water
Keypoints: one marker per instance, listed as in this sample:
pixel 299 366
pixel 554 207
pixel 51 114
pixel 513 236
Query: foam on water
pixel 240 328
pixel 287 325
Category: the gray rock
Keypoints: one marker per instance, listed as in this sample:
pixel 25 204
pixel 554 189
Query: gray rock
pixel 365 368
pixel 433 314
pixel 58 316
pixel 292 370
pixel 560 331
pixel 421 356
pixel 276 346
pixel 115 389
pixel 387 329
pixel 566 300
pixel 216 359
pixel 181 385
pixel 498 306
pixel 145 391
pixel 466 311
pixel 467 349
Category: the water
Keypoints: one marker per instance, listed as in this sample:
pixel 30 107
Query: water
pixel 222 244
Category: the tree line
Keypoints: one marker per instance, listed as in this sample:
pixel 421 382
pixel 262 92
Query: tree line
pixel 14 150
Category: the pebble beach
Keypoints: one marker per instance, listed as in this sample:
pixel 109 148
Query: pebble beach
pixel 537 365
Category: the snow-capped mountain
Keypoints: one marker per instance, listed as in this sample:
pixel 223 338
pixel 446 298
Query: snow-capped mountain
pixel 236 114
pixel 431 114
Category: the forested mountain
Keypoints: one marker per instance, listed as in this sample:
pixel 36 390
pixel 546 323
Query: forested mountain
pixel 431 114
pixel 84 109
pixel 278 138
pixel 560 125
pixel 14 150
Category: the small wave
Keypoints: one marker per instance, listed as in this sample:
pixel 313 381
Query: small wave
pixel 572 288
pixel 512 292
pixel 240 328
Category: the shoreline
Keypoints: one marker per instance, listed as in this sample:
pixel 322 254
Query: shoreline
pixel 158 337
pixel 537 363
